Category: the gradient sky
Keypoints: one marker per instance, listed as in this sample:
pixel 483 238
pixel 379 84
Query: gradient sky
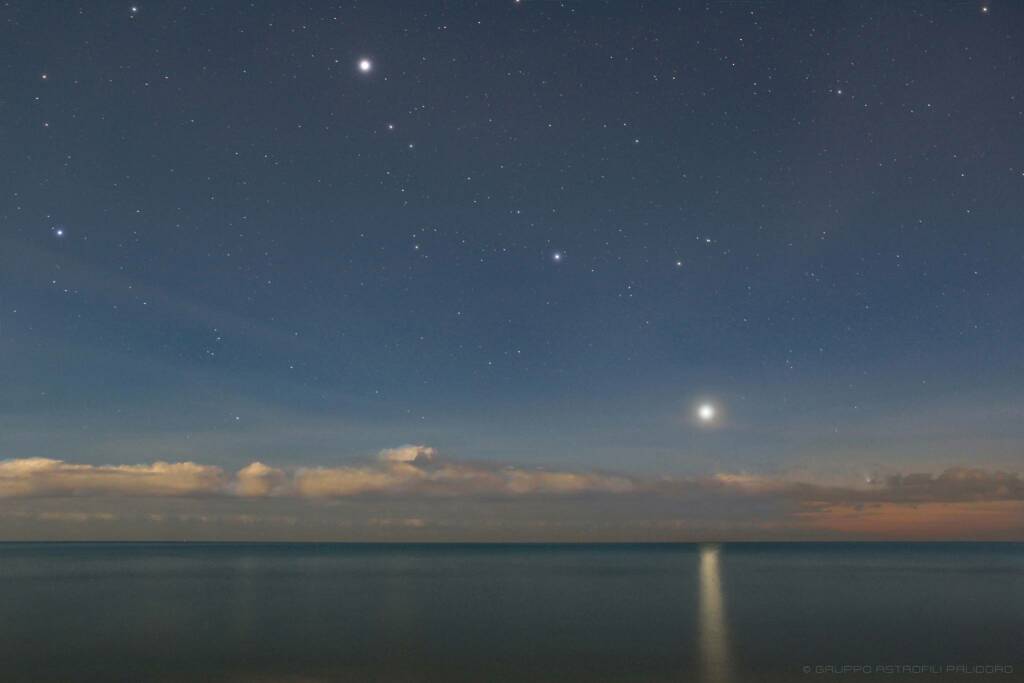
pixel 530 235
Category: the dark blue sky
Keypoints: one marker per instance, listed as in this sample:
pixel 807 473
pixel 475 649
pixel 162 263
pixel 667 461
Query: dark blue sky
pixel 222 241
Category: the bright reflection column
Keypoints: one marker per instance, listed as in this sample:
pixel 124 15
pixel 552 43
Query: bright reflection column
pixel 714 637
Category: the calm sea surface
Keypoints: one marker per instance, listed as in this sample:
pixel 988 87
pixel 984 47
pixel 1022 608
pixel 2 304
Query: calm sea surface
pixel 734 613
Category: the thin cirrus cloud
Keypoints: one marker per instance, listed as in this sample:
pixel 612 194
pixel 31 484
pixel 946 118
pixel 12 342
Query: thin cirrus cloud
pixel 958 503
pixel 953 485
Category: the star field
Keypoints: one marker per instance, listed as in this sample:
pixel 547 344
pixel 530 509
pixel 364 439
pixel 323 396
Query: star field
pixel 535 231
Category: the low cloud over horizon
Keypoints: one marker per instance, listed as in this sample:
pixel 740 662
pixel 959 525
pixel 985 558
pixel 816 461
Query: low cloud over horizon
pixel 413 492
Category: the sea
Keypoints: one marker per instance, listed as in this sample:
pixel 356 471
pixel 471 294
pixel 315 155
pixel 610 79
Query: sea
pixel 702 613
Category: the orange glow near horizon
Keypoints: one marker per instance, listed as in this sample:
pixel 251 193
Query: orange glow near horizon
pixel 995 520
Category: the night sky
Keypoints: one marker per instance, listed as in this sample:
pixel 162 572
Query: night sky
pixel 524 242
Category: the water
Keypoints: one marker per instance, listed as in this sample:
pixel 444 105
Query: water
pixel 735 613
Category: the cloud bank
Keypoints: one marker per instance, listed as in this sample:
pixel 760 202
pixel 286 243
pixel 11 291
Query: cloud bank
pixel 46 477
pixel 955 484
pixel 407 470
pixel 415 470
pixel 421 483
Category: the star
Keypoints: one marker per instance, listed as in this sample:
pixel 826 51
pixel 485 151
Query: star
pixel 557 257
pixel 706 412
pixel 58 232
pixel 365 65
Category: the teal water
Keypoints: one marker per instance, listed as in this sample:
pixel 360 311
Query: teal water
pixel 734 613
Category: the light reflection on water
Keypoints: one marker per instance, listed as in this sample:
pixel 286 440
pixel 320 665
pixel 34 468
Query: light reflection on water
pixel 177 613
pixel 713 630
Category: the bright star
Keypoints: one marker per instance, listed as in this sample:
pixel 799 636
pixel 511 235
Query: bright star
pixel 58 232
pixel 557 257
pixel 365 65
pixel 706 412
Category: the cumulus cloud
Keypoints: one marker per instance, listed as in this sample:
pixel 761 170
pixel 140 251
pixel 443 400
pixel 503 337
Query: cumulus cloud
pixel 421 476
pixel 407 470
pixel 407 453
pixel 257 479
pixel 47 477
pixel 320 482
pixel 521 481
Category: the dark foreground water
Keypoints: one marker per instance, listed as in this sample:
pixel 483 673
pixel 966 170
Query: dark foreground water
pixel 724 614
